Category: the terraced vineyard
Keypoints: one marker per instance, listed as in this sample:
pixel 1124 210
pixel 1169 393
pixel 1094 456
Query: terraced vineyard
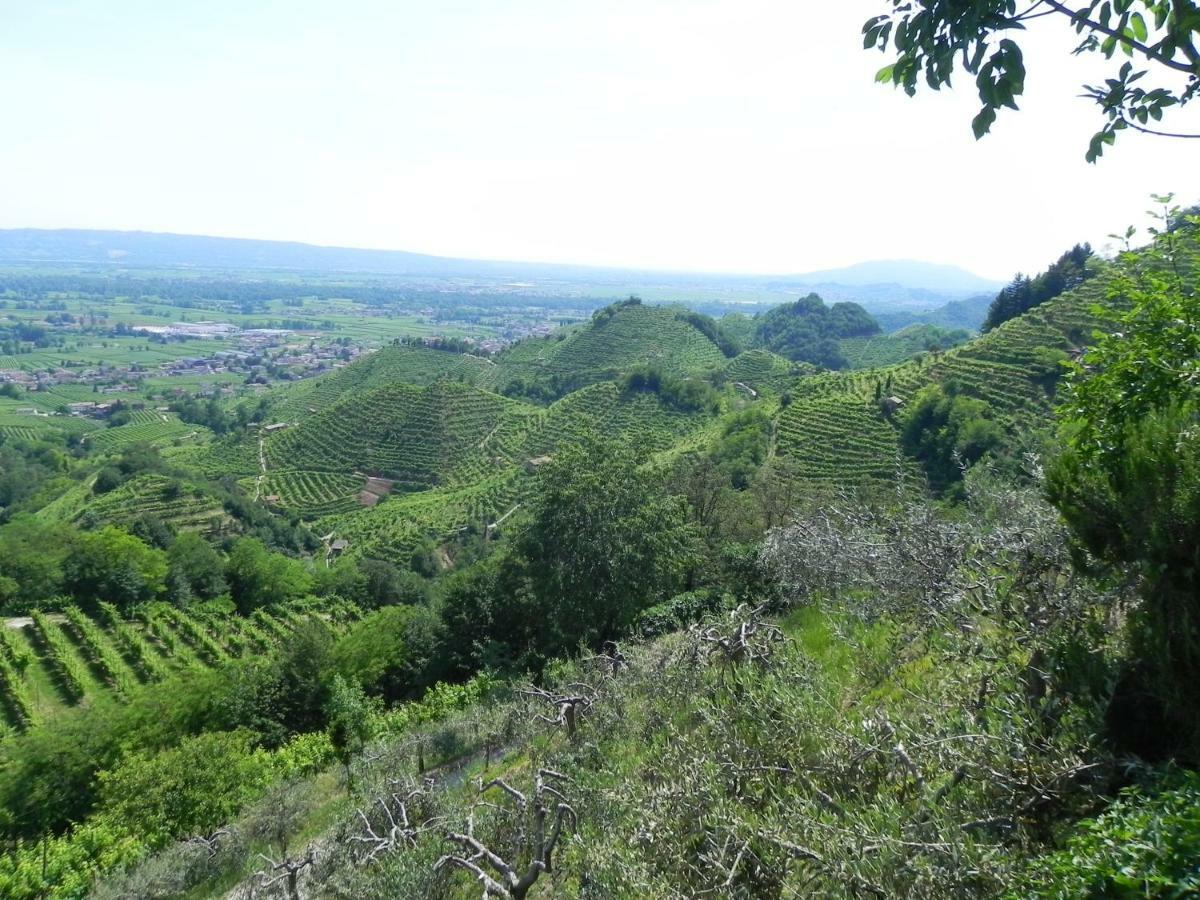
pixel 838 439
pixel 395 529
pixel 446 433
pixel 184 507
pixel 634 335
pixel 389 365
pixel 312 494
pixel 148 431
pixel 58 660
pixel 23 425
pixel 602 407
pixel 763 370
pixel 889 349
pixel 835 431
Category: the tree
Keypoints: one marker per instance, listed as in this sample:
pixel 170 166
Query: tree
pixel 1023 294
pixel 933 37
pixel 258 577
pixel 604 542
pixel 390 652
pixel 1127 476
pixel 809 331
pixel 113 565
pixel 349 729
pixel 33 554
pixel 195 563
pixel 947 431
pixel 195 786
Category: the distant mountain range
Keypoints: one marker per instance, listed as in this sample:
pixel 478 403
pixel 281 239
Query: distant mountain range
pixel 906 273
pixel 150 249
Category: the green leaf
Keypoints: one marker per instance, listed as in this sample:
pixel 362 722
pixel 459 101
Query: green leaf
pixel 885 74
pixel 982 123
pixel 1138 26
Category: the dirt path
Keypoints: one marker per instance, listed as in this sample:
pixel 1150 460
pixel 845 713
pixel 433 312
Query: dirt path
pixel 262 464
pixel 16 622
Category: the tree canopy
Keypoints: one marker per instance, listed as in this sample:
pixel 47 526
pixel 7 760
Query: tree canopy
pixel 1023 293
pixel 933 37
pixel 809 331
pixel 1127 478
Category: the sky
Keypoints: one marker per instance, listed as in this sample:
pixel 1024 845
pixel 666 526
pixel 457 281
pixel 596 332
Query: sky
pixel 705 135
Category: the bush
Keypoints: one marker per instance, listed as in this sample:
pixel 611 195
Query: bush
pixel 680 611
pixel 1146 844
pixel 195 786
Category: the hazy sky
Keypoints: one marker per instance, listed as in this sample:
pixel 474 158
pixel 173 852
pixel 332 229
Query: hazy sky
pixel 736 135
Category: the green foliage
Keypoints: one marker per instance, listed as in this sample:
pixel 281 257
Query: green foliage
pixel 258 577
pixel 947 431
pixel 390 652
pixel 601 542
pixel 33 555
pixel 1023 294
pixel 1127 478
pixel 26 466
pixel 687 394
pixel 1146 844
pixel 808 331
pixel 348 713
pixel 679 612
pixel 193 787
pixel 888 349
pixel 711 329
pixel 194 562
pixel 114 565
pixel 932 38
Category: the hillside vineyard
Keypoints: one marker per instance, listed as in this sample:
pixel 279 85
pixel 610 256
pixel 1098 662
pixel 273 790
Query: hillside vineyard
pixel 457 594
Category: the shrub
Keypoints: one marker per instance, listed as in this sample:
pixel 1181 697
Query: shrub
pixel 1146 844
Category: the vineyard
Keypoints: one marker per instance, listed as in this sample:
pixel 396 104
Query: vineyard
pixel 889 349
pixel 184 507
pixel 389 365
pixel 459 455
pixel 631 336
pixel 23 426
pixel 602 349
pixel 834 430
pixel 151 428
pixel 763 370
pixel 418 436
pixel 397 528
pixel 55 660
pixel 482 496
pixel 840 439
pixel 312 494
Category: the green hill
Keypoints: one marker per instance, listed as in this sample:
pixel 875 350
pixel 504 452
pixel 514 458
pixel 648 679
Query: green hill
pixel 809 331
pixel 443 433
pixel 388 365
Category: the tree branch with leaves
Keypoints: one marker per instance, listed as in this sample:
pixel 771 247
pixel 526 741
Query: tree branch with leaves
pixel 931 38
